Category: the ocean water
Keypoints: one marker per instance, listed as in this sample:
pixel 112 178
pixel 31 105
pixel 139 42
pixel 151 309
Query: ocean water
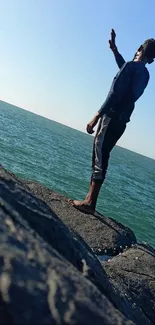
pixel 59 157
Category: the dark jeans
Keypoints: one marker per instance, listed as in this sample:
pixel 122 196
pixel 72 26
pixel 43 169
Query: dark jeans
pixel 108 133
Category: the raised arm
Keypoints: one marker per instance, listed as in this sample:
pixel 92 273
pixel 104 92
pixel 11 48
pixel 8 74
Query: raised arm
pixel 118 57
pixel 111 99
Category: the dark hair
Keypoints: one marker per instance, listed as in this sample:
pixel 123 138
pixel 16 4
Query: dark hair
pixel 149 49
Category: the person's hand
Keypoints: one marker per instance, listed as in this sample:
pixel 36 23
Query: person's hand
pixel 112 40
pixel 92 123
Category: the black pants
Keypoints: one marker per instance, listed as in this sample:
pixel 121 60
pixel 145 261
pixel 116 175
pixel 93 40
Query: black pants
pixel 108 133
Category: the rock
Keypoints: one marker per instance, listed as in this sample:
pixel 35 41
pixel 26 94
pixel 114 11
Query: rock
pixel 99 232
pixel 38 286
pixel 43 220
pixel 104 235
pixel 133 273
pixel 76 271
pixel 47 275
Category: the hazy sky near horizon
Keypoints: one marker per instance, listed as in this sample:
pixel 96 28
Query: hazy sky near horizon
pixel 56 62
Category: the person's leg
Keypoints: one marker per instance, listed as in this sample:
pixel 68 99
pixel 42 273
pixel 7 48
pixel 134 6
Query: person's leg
pixel 107 135
pixel 93 155
pixel 88 204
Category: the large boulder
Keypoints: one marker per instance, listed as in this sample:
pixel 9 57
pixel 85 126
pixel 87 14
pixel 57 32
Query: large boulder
pixel 104 235
pixel 38 286
pixel 47 224
pixel 133 273
pixel 47 275
pixel 27 213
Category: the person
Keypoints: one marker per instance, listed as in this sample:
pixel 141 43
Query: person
pixel 113 116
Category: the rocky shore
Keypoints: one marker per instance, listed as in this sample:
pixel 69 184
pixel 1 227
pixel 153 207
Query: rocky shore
pixel 50 267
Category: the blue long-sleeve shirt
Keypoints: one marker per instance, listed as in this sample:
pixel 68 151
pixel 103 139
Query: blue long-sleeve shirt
pixel 127 86
pixel 119 59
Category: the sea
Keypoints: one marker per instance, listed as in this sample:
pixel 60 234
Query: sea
pixel 36 148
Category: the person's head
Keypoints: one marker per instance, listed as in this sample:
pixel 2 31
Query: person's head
pixel 146 52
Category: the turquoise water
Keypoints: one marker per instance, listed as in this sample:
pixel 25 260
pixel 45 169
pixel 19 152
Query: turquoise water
pixel 60 157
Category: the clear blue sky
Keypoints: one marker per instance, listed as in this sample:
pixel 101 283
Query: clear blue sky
pixel 55 59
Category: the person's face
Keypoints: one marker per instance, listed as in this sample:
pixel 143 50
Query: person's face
pixel 139 54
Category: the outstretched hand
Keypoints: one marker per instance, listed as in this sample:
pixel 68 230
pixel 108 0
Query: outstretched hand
pixel 112 40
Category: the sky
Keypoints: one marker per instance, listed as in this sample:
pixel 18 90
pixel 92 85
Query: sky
pixel 56 62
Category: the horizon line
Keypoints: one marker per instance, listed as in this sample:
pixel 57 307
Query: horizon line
pixel 84 132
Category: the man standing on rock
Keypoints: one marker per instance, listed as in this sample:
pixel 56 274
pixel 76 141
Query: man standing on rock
pixel 127 86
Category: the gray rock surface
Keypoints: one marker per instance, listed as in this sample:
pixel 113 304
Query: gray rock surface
pixel 38 286
pixel 133 273
pixel 49 274
pixel 102 234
